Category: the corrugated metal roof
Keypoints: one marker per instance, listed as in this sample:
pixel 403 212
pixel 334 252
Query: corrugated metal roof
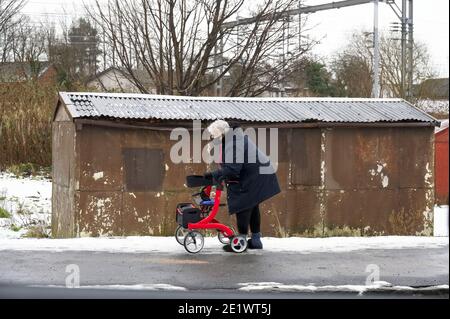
pixel 140 106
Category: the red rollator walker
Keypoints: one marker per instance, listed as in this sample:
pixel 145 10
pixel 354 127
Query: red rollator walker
pixel 193 217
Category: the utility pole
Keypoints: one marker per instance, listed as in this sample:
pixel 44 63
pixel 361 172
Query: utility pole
pixel 299 24
pixel 409 92
pixel 403 44
pixel 342 4
pixel 376 53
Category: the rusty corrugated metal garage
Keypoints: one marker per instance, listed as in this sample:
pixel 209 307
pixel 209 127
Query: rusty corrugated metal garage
pixel 346 166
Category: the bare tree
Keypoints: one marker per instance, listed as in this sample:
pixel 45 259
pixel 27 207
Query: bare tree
pixel 353 75
pixel 9 19
pixel 9 9
pixel 357 60
pixel 27 42
pixel 187 47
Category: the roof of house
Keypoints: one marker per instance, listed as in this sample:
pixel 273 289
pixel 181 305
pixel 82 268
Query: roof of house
pixel 443 127
pixel 141 75
pixel 432 88
pixel 143 106
pixel 21 71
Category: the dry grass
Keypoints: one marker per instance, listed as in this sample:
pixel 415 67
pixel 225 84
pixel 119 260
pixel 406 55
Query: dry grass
pixel 25 123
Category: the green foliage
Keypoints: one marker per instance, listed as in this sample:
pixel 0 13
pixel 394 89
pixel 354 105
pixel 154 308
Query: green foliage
pixel 4 213
pixel 319 79
pixel 15 228
pixel 312 78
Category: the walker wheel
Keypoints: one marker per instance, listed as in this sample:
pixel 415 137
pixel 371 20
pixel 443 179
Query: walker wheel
pixel 180 233
pixel 239 243
pixel 193 242
pixel 224 239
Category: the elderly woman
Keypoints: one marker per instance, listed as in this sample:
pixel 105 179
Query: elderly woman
pixel 249 177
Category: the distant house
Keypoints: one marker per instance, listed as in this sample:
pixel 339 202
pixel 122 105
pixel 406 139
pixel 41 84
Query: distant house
pixel 434 89
pixel 15 72
pixel 116 79
pixel 433 96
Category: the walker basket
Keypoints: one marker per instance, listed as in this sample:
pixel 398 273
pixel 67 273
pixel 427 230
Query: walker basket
pixel 187 213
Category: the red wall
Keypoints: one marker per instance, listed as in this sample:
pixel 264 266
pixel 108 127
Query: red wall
pixel 441 140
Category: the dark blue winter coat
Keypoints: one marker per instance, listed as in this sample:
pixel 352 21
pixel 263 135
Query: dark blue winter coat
pixel 242 161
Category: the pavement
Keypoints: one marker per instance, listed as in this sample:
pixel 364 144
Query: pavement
pixel 115 275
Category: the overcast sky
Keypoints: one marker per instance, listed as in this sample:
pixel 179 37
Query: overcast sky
pixel 431 24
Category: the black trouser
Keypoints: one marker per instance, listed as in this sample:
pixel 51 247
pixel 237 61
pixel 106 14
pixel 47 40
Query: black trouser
pixel 248 217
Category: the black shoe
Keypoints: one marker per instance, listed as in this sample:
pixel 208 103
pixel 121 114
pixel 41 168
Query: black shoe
pixel 227 248
pixel 255 242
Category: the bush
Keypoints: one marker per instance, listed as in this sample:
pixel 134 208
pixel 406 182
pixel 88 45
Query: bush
pixel 25 123
pixel 26 114
pixel 15 227
pixel 28 169
pixel 4 213
pixel 37 231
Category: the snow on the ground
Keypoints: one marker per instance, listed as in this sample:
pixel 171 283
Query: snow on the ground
pixel 361 289
pixel 441 222
pixel 27 199
pixel 153 287
pixel 433 106
pixel 376 286
pixel 148 244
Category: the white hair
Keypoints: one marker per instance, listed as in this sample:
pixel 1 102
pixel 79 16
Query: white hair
pixel 218 128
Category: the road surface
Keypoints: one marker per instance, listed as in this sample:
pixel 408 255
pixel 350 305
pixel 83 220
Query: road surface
pixel 221 273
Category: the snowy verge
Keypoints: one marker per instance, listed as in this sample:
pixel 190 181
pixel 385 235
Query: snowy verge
pixel 377 286
pixel 148 244
pixel 152 287
pixel 27 200
pixel 440 227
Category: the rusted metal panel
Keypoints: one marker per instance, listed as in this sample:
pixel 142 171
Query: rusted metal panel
pixel 303 211
pixel 415 212
pixel 415 153
pixel 100 158
pixel 146 213
pixel 381 169
pixel 143 169
pixel 305 157
pixel 367 173
pixel 283 175
pixel 100 213
pixel 361 158
pixel 359 212
pixel 136 138
pixel 348 195
pixel 338 164
pixel 343 209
